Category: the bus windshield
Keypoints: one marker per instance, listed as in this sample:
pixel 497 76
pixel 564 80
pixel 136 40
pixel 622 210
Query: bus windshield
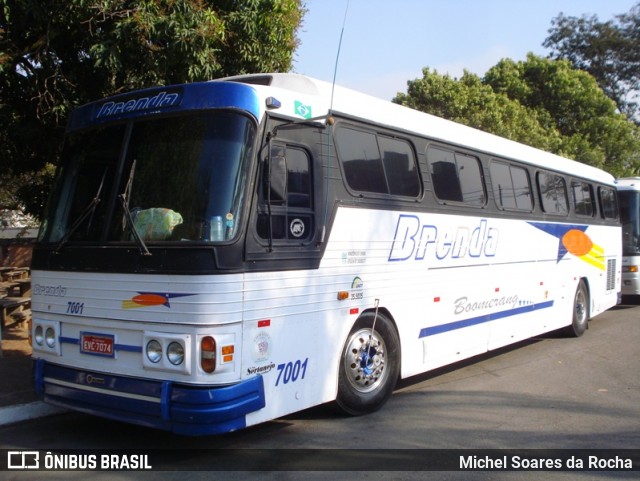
pixel 180 178
pixel 630 216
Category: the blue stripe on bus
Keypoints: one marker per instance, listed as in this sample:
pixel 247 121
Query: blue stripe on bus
pixel 473 321
pixel 68 340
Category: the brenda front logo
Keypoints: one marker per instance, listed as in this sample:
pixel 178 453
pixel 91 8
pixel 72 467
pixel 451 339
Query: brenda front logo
pixel 55 291
pixel 161 100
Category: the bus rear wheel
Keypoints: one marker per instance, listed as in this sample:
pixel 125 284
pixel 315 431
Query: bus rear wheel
pixel 580 319
pixel 369 365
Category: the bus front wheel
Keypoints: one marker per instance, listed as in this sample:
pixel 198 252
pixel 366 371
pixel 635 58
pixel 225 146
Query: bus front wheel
pixel 369 365
pixel 580 320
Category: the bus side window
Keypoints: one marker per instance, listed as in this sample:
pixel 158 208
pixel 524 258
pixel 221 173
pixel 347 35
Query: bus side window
pixel 456 176
pixel 608 203
pixel 444 175
pixel 400 167
pixel 360 158
pixel 378 164
pixel 583 198
pixel 553 193
pixel 511 186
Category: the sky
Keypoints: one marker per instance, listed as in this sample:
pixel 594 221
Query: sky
pixel 385 43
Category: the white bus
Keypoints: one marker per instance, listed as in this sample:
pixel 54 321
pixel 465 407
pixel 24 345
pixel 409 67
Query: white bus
pixel 629 198
pixel 219 254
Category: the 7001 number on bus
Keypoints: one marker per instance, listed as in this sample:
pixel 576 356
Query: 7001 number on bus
pixel 291 371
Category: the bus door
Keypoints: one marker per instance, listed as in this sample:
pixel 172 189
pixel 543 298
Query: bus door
pixel 286 224
pixel 283 289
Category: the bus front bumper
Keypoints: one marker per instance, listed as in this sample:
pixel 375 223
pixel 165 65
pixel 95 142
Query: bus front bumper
pixel 183 409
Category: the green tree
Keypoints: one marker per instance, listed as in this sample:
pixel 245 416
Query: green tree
pixel 471 102
pixel 57 54
pixel 539 102
pixel 610 51
pixel 570 102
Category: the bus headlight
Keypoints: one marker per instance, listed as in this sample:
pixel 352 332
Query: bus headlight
pixel 38 335
pixel 175 353
pixel 50 337
pixel 45 335
pixel 154 351
pixel 167 351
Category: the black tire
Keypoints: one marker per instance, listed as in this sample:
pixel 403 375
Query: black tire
pixel 580 318
pixel 368 376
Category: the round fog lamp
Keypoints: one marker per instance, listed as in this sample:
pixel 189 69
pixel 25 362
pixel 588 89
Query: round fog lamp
pixel 175 353
pixel 50 337
pixel 154 351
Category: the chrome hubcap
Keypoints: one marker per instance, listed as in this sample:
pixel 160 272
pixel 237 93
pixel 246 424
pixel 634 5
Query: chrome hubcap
pixel 365 360
pixel 581 307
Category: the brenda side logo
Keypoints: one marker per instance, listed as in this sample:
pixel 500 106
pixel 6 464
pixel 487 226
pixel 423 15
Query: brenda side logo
pixel 150 299
pixel 416 240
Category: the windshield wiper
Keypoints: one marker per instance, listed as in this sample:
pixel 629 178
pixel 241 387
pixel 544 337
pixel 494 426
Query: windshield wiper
pixel 127 215
pixel 88 210
pixel 124 201
pixel 85 213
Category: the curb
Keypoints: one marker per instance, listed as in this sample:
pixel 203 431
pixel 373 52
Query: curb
pixel 25 412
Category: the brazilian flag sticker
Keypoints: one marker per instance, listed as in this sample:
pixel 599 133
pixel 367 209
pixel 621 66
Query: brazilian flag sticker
pixel 303 110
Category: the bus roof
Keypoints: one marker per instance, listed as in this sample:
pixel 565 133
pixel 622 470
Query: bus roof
pixel 293 90
pixel 628 183
pixel 303 97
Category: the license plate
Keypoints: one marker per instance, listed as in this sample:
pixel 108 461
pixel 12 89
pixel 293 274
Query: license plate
pixel 97 344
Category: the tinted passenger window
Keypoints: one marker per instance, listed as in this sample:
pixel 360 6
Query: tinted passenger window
pixel 377 164
pixel 582 198
pixel 455 176
pixel 608 203
pixel 511 186
pixel 553 193
pixel 400 167
pixel 361 160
